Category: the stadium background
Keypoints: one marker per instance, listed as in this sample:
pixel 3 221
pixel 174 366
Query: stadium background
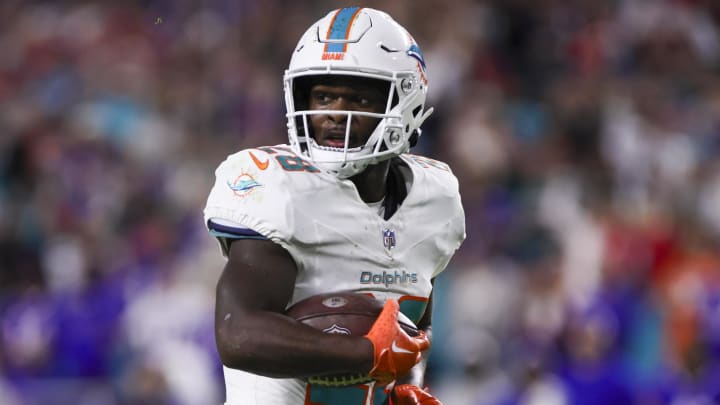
pixel 585 135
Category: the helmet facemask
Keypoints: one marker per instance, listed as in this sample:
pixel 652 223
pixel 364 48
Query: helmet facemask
pixel 392 136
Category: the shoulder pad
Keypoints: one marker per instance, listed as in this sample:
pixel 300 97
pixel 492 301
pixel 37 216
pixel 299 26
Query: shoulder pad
pixel 254 188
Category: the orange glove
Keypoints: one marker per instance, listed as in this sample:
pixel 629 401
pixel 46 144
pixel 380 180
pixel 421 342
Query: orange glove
pixel 408 394
pixel 394 350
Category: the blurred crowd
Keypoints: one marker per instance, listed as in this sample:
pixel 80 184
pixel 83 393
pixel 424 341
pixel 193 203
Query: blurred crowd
pixel 585 135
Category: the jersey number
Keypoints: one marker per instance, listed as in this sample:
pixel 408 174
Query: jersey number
pixel 295 164
pixel 290 163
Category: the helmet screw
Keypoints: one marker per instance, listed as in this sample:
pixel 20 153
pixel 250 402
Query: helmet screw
pixel 406 85
pixel 394 137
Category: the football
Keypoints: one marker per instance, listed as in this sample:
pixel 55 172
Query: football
pixel 346 313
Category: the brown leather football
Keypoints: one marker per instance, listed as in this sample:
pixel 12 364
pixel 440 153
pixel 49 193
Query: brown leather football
pixel 347 313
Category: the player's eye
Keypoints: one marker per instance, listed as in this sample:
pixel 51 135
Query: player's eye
pixel 364 100
pixel 322 98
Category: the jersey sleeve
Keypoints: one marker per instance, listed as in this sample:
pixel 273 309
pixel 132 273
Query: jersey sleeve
pixel 455 227
pixel 440 183
pixel 455 235
pixel 249 200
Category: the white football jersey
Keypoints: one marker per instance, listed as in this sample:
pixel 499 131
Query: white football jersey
pixel 338 243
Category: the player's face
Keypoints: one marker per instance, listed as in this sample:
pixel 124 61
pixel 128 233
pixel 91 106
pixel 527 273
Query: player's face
pixel 352 95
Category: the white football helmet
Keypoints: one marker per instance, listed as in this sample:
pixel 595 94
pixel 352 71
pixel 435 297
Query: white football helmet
pixel 367 43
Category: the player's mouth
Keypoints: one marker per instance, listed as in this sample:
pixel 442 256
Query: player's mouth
pixel 335 138
pixel 333 142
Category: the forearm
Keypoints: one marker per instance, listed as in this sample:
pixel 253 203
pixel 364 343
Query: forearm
pixel 251 332
pixel 274 345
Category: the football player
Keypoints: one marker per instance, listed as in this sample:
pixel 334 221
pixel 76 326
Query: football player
pixel 342 206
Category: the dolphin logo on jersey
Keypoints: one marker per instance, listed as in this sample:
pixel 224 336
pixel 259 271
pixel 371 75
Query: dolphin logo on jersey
pixel 243 185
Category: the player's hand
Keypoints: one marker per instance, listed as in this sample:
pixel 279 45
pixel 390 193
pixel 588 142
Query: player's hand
pixel 408 394
pixel 395 352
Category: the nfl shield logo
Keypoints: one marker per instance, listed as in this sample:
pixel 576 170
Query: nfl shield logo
pixel 389 239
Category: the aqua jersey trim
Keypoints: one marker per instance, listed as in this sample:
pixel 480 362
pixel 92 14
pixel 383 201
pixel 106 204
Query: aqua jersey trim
pixel 224 231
